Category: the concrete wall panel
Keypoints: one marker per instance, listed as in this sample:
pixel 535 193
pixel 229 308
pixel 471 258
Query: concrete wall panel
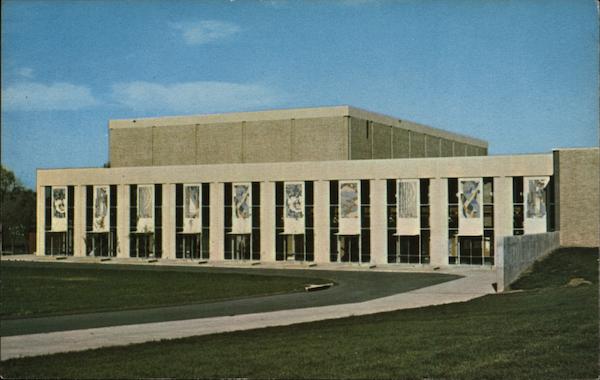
pixel 123 220
pixel 378 222
pixel 446 150
pixel 360 139
pixel 432 145
pixel 400 143
pixel 472 150
pixel 417 145
pixel 578 196
pixel 131 147
pixel 517 253
pixel 219 143
pixel 321 218
pixel 40 245
pixel 79 233
pixel 174 145
pixel 267 141
pixel 330 133
pixel 460 150
pixel 382 140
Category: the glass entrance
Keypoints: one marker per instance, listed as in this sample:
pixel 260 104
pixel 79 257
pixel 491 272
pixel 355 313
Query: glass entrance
pixel 57 244
pixel 407 249
pixel 189 246
pixel 142 245
pixel 98 245
pixel 470 250
pixel 241 247
pixel 293 248
pixel 349 248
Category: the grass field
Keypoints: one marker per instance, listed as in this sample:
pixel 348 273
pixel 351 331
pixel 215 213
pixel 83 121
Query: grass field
pixel 41 289
pixel 546 331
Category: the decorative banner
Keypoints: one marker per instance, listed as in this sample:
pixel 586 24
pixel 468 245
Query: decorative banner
pixel 241 218
pixel 59 209
pixel 145 208
pixel 535 204
pixel 192 215
pixel 101 222
pixel 409 211
pixel 470 212
pixel 293 218
pixel 349 197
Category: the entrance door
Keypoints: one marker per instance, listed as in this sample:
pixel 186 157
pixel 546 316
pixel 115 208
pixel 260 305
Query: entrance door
pixel 98 245
pixel 293 247
pixel 408 249
pixel 143 245
pixel 191 246
pixel 470 250
pixel 289 248
pixel 56 243
pixel 241 247
pixel 349 248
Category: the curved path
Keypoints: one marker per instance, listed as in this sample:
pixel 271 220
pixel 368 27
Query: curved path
pixel 352 286
pixel 475 283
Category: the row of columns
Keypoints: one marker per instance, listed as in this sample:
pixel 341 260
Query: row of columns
pixel 503 219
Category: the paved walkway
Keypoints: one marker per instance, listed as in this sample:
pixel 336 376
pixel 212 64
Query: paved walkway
pixel 352 286
pixel 475 283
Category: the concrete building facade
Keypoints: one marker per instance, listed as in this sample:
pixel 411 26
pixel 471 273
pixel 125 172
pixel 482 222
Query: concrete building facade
pixel 312 134
pixel 327 185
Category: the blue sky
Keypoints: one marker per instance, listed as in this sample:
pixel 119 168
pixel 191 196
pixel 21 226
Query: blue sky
pixel 522 75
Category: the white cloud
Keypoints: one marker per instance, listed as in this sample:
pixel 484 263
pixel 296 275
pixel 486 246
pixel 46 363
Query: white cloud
pixel 26 72
pixel 31 96
pixel 195 97
pixel 207 31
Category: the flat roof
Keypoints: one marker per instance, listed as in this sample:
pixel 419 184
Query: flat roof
pixel 293 113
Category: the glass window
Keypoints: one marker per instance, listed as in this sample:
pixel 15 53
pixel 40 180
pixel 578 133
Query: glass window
pixel 452 190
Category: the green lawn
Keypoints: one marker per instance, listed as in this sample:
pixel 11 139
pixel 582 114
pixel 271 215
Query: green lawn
pixel 546 331
pixel 41 289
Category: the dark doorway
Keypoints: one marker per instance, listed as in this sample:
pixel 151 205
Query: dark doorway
pixel 349 248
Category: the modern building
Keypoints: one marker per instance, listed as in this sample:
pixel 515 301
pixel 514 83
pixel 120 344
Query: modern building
pixel 320 185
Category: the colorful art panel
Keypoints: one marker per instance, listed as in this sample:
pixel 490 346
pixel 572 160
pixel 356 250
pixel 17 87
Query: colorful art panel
pixel 101 219
pixel 241 221
pixel 536 197
pixel 470 199
pixel 192 214
pixel 59 209
pixel 349 198
pixel 294 208
pixel 349 204
pixel 408 210
pixel 145 208
pixel 470 215
pixel 535 221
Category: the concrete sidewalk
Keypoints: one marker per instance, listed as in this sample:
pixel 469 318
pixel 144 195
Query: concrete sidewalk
pixel 476 283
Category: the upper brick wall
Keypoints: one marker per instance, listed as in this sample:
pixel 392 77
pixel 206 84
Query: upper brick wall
pixel 577 195
pixel 318 134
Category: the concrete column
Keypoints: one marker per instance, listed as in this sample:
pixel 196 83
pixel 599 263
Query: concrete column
pixel 79 246
pixel 122 220
pixel 40 246
pixel 378 221
pixel 321 221
pixel 168 221
pixel 217 223
pixel 503 210
pixel 438 220
pixel 267 221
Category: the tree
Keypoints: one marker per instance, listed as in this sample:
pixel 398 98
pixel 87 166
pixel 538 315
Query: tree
pixel 18 212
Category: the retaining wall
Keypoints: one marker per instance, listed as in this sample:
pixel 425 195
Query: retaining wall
pixel 517 253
